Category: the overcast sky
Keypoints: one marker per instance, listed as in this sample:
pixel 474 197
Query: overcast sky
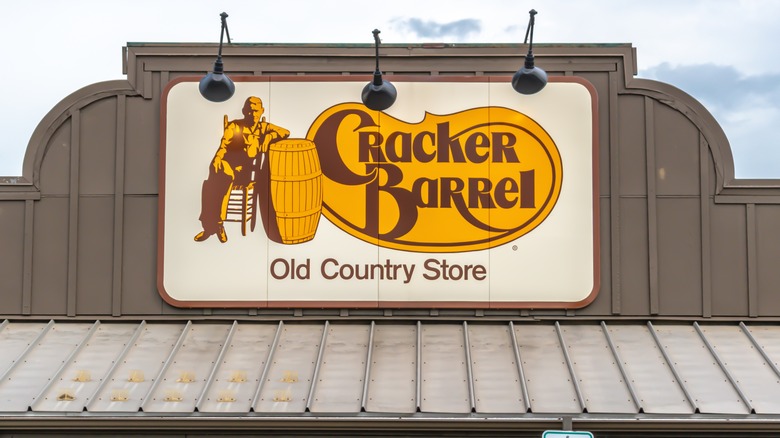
pixel 723 52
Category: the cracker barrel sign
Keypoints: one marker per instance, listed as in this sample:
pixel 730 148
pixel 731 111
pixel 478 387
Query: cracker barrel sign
pixel 434 194
pixel 462 194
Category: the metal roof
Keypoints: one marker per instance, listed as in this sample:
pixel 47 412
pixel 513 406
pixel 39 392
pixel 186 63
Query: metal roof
pixel 375 368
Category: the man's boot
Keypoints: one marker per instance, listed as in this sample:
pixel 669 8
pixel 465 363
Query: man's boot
pixel 203 235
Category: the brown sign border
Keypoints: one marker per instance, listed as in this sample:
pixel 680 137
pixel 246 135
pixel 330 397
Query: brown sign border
pixel 382 304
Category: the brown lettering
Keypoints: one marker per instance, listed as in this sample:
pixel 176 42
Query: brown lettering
pixel 503 148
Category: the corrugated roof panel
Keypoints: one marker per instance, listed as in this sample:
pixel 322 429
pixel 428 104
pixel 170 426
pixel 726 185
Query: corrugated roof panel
pixel 286 386
pixel 547 375
pixel 392 385
pixel 594 365
pixel 444 386
pixel 755 377
pixel 234 384
pixel 705 380
pixel 653 380
pixel 271 367
pixel 339 385
pixel 14 339
pixel 768 338
pixel 496 377
pixel 188 370
pixel 83 374
pixel 124 390
pixel 29 376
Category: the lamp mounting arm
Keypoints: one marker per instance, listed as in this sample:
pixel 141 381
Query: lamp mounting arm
pixel 529 31
pixel 224 31
pixel 530 27
pixel 377 72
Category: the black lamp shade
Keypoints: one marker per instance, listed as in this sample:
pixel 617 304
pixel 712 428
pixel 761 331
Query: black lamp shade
pixel 217 86
pixel 529 80
pixel 379 94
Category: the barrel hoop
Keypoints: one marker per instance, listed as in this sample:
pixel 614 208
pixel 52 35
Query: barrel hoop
pixel 300 238
pixel 283 146
pixel 297 214
pixel 293 178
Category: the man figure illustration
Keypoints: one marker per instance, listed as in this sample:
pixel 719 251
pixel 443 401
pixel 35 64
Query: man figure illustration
pixel 242 141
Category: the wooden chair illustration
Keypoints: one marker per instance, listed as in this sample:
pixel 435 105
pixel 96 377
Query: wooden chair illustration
pixel 242 201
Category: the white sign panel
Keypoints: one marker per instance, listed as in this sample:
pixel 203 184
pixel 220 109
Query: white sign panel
pixel 464 193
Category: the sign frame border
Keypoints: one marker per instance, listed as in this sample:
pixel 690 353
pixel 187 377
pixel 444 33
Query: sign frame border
pixel 258 304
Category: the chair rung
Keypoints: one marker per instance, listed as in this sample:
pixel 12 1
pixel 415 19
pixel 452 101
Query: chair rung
pixel 239 205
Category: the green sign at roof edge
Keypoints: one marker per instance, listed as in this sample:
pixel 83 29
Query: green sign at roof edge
pixel 565 434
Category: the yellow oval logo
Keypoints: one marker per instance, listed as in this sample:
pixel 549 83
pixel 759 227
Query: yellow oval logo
pixel 467 181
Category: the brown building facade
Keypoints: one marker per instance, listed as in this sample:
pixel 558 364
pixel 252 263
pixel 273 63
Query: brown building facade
pixel 681 336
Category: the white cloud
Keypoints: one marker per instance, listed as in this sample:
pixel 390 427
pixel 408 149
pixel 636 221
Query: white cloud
pixel 52 48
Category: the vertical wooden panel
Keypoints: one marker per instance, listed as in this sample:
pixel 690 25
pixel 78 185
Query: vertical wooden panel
pixel 767 255
pixel 635 264
pixel 50 257
pixel 29 210
pixel 614 193
pixel 139 257
pixel 93 267
pixel 605 292
pixel 164 78
pixel 96 147
pixel 12 260
pixel 652 213
pixel 728 244
pixel 679 257
pixel 632 140
pixel 147 88
pixel 706 248
pixel 53 173
pixel 73 213
pixel 677 153
pixel 119 205
pixel 752 261
pixel 143 139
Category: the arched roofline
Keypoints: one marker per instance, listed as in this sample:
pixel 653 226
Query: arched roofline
pixel 39 141
pixel 711 130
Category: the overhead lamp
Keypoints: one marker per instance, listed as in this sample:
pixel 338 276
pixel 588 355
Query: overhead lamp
pixel 529 79
pixel 378 94
pixel 217 86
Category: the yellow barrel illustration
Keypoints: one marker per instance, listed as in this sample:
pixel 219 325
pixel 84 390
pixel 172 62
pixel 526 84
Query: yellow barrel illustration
pixel 296 188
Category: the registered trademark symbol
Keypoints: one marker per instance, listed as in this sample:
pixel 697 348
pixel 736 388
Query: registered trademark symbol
pixel 514 247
